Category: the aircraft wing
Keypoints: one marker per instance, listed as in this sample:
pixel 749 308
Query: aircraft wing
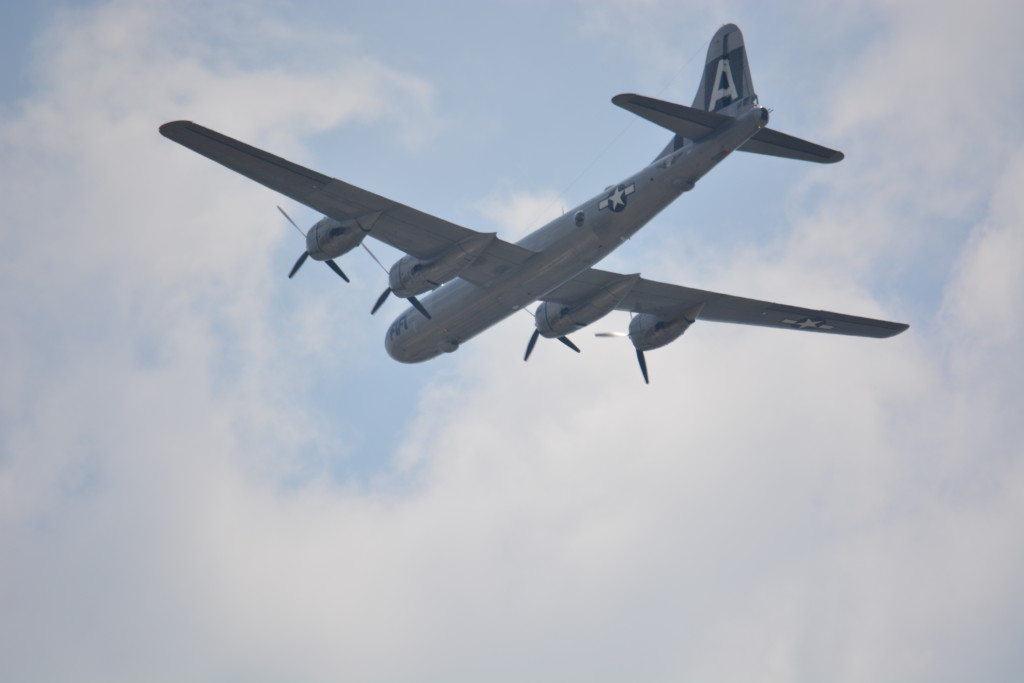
pixel 400 226
pixel 648 296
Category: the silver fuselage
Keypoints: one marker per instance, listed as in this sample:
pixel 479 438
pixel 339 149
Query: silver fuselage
pixel 564 248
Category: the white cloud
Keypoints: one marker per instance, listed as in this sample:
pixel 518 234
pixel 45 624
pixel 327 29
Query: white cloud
pixel 150 389
pixel 985 295
pixel 517 213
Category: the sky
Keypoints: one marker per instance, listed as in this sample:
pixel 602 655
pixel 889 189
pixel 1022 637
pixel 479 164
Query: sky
pixel 211 473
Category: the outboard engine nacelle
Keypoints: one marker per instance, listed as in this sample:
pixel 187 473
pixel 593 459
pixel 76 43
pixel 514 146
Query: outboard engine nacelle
pixel 650 331
pixel 329 238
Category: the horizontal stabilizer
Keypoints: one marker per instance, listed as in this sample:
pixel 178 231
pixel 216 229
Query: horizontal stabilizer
pixel 776 144
pixel 687 122
pixel 693 124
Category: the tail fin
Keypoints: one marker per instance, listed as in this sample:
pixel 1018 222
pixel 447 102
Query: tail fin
pixel 726 86
pixel 726 89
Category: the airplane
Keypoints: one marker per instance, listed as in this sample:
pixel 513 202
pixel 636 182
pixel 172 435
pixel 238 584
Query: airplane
pixel 471 280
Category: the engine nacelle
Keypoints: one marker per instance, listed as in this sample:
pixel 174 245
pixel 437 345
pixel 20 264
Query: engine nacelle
pixel 411 276
pixel 557 319
pixel 649 331
pixel 328 238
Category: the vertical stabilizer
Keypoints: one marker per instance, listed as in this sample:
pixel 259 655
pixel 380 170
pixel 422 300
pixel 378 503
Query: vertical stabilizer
pixel 726 89
pixel 726 86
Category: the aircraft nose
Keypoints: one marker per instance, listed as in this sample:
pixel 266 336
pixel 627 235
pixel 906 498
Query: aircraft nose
pixel 410 345
pixel 395 348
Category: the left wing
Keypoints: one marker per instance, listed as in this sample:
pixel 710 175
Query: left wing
pixel 659 298
pixel 400 226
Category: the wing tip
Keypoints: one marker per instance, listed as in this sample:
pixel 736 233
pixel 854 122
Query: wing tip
pixel 887 330
pixel 169 129
pixel 623 99
pixel 899 328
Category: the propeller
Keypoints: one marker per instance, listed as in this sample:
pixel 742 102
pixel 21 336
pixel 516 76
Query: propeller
pixel 298 264
pixel 302 259
pixel 381 300
pixel 536 336
pixel 639 354
pixel 643 365
pixel 411 299
pixel 334 266
pixel 387 292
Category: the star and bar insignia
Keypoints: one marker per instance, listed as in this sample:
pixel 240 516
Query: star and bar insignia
pixel 808 324
pixel 616 201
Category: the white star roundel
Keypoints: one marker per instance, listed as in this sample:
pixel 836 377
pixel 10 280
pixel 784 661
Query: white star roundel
pixel 616 201
pixel 808 324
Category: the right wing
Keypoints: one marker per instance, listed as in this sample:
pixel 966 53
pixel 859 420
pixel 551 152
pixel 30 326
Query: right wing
pixel 411 231
pixel 659 298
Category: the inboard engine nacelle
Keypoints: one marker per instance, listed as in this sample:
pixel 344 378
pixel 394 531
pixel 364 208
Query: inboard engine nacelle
pixel 557 319
pixel 411 276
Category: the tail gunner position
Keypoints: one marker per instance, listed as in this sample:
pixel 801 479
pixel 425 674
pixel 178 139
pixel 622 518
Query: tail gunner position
pixel 460 282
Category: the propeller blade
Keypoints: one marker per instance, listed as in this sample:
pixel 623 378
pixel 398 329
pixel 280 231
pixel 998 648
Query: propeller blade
pixel 334 266
pixel 611 334
pixel 565 340
pixel 380 301
pixel 533 342
pixel 298 264
pixel 643 365
pixel 291 221
pixel 418 306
